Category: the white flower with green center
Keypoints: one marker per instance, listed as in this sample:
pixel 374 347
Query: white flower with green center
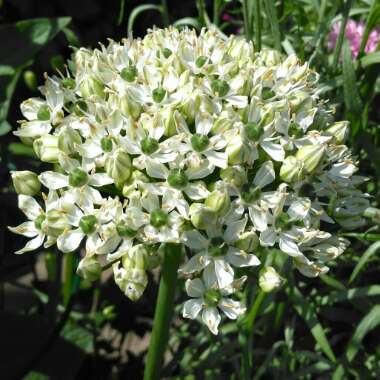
pixel 207 299
pixel 78 181
pixel 218 252
pixel 35 227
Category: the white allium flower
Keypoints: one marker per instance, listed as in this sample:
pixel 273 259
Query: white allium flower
pixel 191 139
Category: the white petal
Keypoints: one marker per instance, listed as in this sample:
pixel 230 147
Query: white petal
pixel 239 258
pixel 238 101
pixel 69 241
pixel 33 129
pixel 90 149
pixel 155 169
pixel 27 229
pixel 218 159
pixel 288 246
pixel 234 230
pixel 232 309
pixel 29 206
pixel 268 238
pixel 275 151
pixel 191 308
pixel 224 272
pixel 53 180
pixel 259 217
pixel 195 288
pixel 196 191
pixel 201 171
pixel 203 123
pixel 33 244
pixel 195 264
pixel 212 319
pixel 100 179
pixel 195 240
pixel 265 175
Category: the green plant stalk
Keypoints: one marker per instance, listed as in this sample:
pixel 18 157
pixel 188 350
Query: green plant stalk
pixel 68 277
pixel 216 13
pixel 164 311
pixel 165 13
pixel 257 24
pixel 339 42
pixel 247 21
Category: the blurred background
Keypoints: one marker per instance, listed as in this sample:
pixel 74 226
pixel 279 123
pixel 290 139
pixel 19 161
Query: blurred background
pixel 53 325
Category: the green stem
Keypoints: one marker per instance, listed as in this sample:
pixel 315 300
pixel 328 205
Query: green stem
pixel 257 24
pixel 216 14
pixel 165 13
pixel 164 311
pixel 68 277
pixel 247 26
pixel 339 42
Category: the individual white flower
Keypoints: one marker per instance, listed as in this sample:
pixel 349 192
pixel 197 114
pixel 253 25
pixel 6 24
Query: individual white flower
pixel 35 227
pixel 208 299
pixel 218 252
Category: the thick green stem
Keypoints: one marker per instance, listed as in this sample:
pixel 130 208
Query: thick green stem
pixel 164 311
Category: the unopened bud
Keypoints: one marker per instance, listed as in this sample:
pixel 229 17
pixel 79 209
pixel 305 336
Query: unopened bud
pixel 218 201
pixel 46 148
pixel 237 151
pixel 248 241
pixel 202 216
pixel 89 268
pixel 90 86
pixel 269 279
pixel 234 175
pixel 68 138
pixel 118 166
pixel 26 182
pixel 311 156
pixel 291 169
pixel 339 131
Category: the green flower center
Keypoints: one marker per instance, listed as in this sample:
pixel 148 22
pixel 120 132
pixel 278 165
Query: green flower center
pixel 125 231
pixel 149 145
pixel 78 178
pixel 283 222
pixel 267 93
pixel 158 94
pixel 43 113
pixel 106 144
pixel 199 142
pixel 217 247
pixel 88 224
pixel 177 179
pixel 68 83
pixel 212 297
pixel 167 52
pixel 295 131
pixel 129 74
pixel 39 220
pixel 250 194
pixel 200 61
pixel 158 218
pixel 80 107
pixel 220 87
pixel 253 131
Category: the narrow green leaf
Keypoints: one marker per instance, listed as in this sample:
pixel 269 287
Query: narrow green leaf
pixel 370 251
pixel 307 313
pixel 121 12
pixel 270 10
pixel 348 295
pixel 188 21
pixel 372 19
pixel 138 10
pixel 370 59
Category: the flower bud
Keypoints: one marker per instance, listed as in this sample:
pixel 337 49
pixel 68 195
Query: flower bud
pixel 68 138
pixel 218 201
pixel 30 79
pixel 88 224
pixel 310 155
pixel 201 216
pixel 248 241
pixel 221 125
pixel 26 182
pixel 339 131
pixel 271 57
pixel 56 222
pixel 90 86
pixel 237 151
pixel 291 169
pixel 118 166
pixel 129 73
pixel 46 148
pixel 89 268
pixel 167 115
pixel 269 279
pixel 234 175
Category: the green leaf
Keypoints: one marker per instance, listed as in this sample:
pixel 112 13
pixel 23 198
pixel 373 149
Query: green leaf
pixel 5 127
pixel 23 39
pixel 306 311
pixel 372 20
pixel 188 21
pixel 270 10
pixel 78 336
pixel 370 251
pixel 138 10
pixel 352 99
pixel 348 295
pixel 20 43
pixel 370 59
pixel 20 149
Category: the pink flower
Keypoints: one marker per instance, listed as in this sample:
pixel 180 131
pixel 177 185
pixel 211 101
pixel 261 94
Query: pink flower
pixel 226 17
pixel 354 33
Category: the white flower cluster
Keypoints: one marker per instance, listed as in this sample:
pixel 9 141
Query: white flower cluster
pixel 190 139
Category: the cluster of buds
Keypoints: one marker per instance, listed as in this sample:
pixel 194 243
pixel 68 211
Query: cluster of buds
pixel 191 139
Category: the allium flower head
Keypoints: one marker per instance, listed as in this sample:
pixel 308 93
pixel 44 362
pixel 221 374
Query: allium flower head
pixel 191 139
pixel 354 33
